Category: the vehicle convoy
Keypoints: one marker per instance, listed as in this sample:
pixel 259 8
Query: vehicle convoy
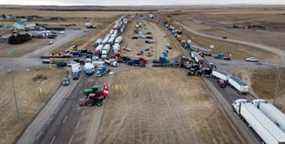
pixel 269 132
pixel 271 112
pixel 238 84
pixel 95 95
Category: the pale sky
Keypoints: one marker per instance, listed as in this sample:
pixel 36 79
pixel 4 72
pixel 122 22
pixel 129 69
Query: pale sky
pixel 139 2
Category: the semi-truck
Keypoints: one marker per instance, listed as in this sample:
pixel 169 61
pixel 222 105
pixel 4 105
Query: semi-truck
pixel 238 84
pixel 271 112
pixel 261 124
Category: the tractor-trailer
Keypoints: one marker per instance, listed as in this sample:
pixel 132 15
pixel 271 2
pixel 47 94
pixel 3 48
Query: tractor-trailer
pixel 271 112
pixel 262 125
pixel 75 69
pixel 238 84
pixel 220 75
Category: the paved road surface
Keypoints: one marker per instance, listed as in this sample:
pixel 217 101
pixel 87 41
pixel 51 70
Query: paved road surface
pixel 61 40
pixel 38 126
pixel 19 63
pixel 33 59
pixel 224 98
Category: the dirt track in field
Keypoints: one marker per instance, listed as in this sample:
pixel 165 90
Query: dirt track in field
pixel 162 106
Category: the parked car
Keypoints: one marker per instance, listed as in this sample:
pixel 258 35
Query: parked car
pixel 66 81
pixel 252 59
pixel 46 61
pixel 101 71
pixel 50 42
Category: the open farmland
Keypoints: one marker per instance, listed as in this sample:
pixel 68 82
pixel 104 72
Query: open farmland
pixel 258 25
pixel 154 88
pixel 237 51
pixel 168 107
pixel 32 89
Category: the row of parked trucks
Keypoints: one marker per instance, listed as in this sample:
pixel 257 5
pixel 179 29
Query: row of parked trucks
pixel 103 49
pixel 267 121
pixel 110 44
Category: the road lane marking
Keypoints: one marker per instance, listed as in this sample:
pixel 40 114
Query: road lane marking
pixel 64 119
pixel 52 140
pixel 71 139
pixel 77 125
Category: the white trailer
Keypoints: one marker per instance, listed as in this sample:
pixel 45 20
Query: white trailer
pixel 105 40
pixel 271 112
pixel 262 125
pixel 238 84
pixel 220 75
pixel 111 40
pixel 75 69
pixel 116 48
pixel 119 39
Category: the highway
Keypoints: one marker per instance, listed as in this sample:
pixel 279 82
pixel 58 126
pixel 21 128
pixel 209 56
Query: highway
pixel 224 98
pixel 61 128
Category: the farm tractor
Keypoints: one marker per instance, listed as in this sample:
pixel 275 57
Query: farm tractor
pixel 95 95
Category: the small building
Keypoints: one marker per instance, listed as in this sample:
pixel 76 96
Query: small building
pixel 22 24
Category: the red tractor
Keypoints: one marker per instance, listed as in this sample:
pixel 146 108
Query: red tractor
pixel 95 95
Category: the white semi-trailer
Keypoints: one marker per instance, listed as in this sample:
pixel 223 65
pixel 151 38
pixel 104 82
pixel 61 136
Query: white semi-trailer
pixel 271 112
pixel 75 69
pixel 119 39
pixel 220 75
pixel 238 84
pixel 262 125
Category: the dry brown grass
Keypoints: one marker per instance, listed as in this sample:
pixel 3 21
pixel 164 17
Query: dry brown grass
pixel 30 100
pixel 237 51
pixel 67 14
pixel 162 106
pixel 265 82
pixel 219 23
pixel 7 50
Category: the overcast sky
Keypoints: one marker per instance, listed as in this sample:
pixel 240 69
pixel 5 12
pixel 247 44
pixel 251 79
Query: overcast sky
pixel 138 2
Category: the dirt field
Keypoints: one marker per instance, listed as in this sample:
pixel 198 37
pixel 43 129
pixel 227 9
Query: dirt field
pixel 220 23
pixel 237 51
pixel 161 39
pixel 32 89
pixel 162 106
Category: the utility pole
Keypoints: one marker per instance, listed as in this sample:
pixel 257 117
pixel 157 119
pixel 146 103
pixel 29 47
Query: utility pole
pixel 277 82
